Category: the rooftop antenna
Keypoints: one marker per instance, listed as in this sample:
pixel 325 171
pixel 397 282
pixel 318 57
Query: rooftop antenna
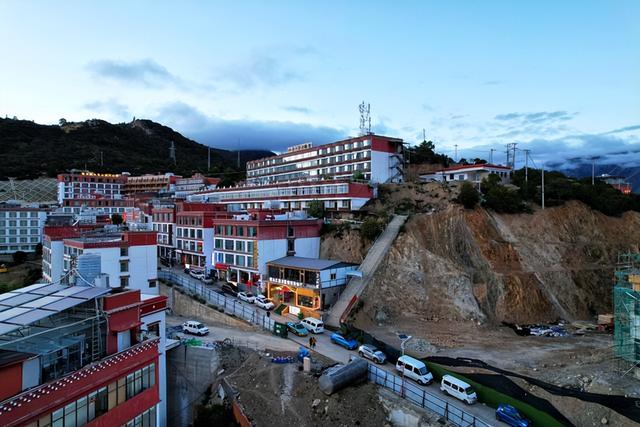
pixel 365 119
pixel 172 152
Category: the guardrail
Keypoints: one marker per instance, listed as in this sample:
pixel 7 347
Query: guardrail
pixel 423 398
pixel 230 305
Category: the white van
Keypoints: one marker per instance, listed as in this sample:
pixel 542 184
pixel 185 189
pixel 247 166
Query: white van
pixel 458 389
pixel 414 369
pixel 195 328
pixel 312 324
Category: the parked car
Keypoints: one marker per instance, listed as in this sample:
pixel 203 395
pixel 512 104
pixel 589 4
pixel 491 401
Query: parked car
pixel 195 328
pixel 349 344
pixel 247 297
pixel 372 353
pixel 459 389
pixel 197 274
pixel 414 369
pixel 510 415
pixel 265 303
pixel 298 329
pixel 207 280
pixel 229 289
pixel 313 325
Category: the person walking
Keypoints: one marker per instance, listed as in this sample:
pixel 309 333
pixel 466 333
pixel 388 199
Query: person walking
pixel 311 343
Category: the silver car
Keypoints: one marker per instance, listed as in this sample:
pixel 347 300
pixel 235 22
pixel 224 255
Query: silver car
pixel 372 353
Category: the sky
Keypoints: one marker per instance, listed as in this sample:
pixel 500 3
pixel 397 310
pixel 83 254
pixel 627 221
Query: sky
pixel 559 78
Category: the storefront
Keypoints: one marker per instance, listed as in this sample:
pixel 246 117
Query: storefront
pixel 292 295
pixel 245 280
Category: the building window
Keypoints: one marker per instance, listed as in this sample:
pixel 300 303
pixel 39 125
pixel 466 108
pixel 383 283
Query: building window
pixel 124 251
pixel 291 247
pixel 124 281
pixel 124 266
pixel 333 276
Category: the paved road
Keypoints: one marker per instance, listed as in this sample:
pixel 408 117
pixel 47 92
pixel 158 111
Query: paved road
pixel 375 257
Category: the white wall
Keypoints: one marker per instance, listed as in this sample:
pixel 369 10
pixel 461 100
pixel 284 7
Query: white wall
pixel 269 250
pixel 143 266
pixel 161 413
pixel 57 260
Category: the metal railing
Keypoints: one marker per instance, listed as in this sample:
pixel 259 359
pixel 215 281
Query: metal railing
pixel 230 305
pixel 423 398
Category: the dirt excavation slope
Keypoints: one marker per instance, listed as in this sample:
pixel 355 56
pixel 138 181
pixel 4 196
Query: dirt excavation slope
pixel 477 265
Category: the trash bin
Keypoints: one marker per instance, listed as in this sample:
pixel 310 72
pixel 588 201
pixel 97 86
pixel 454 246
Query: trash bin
pixel 280 329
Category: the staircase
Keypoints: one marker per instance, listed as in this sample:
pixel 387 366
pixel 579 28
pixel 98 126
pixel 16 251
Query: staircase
pixel 369 266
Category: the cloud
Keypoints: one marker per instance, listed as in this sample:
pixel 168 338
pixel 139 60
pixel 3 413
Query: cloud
pixel 243 134
pixel 268 67
pixel 296 109
pixel 111 107
pixel 625 129
pixel 538 117
pixel 145 72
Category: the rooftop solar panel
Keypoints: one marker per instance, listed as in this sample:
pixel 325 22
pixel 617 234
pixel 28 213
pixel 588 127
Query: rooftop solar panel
pixel 19 299
pixel 70 291
pixel 13 312
pixel 90 293
pixel 31 287
pixel 5 328
pixel 29 317
pixel 63 304
pixel 41 301
pixel 49 289
pixel 8 295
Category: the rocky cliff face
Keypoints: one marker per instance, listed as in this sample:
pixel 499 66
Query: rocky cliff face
pixel 478 265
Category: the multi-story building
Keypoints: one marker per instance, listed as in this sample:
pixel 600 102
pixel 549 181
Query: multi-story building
pixel 78 355
pixel 375 158
pixel 21 228
pixel 336 195
pixel 198 182
pixel 194 233
pixel 101 205
pixel 306 284
pixel 129 259
pixel 53 248
pixel 244 244
pixel 150 184
pixel 86 185
pixel 471 173
pixel 164 223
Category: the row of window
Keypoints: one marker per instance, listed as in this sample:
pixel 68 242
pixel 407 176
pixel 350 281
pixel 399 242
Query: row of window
pixel 162 228
pixel 22 231
pixel 21 223
pixel 189 220
pixel 163 217
pixel 235 230
pixel 284 192
pixel 13 248
pixel 189 245
pixel 19 239
pixel 90 407
pixel 147 419
pixel 234 245
pixel 21 214
pixel 361 155
pixel 192 233
pixel 232 259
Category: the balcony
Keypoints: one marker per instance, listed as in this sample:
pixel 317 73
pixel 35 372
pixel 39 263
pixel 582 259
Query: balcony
pixel 294 283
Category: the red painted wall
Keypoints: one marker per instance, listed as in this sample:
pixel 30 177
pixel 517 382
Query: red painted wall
pixel 11 380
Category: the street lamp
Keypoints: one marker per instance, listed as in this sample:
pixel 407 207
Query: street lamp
pixel 404 338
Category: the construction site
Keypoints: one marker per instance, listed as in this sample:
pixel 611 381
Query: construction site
pixel 627 313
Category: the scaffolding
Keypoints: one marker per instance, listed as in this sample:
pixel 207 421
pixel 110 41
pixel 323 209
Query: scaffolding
pixel 626 298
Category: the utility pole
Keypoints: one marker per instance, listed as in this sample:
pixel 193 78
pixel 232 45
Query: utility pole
pixel 526 165
pixel 455 156
pixel 101 158
pixel 209 158
pixel 593 171
pixel 491 156
pixel 238 159
pixel 543 186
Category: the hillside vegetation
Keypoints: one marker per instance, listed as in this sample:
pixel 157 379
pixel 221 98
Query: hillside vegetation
pixel 30 150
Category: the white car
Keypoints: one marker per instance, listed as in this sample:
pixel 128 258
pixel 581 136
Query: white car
pixel 197 274
pixel 195 328
pixel 370 352
pixel 247 297
pixel 264 303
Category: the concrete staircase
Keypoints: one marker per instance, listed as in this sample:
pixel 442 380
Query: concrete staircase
pixel 369 266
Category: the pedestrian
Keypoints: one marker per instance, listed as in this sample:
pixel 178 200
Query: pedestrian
pixel 310 342
pixel 313 345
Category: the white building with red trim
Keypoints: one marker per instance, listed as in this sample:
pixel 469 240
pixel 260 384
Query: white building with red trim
pixel 87 185
pixel 21 228
pixel 471 173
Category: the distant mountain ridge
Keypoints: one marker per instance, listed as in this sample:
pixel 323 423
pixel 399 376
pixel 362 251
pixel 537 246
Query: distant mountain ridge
pixel 632 173
pixel 29 150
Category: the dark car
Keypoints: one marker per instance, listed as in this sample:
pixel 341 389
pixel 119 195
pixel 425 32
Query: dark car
pixel 510 415
pixel 229 289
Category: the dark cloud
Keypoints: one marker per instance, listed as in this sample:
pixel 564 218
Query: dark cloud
pixel 242 134
pixel 145 72
pixel 537 117
pixel 111 107
pixel 296 109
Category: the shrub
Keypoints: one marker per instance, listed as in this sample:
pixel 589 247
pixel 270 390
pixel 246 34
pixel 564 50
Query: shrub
pixel 19 257
pixel 370 229
pixel 468 196
pixel 116 219
pixel 316 209
pixel 300 316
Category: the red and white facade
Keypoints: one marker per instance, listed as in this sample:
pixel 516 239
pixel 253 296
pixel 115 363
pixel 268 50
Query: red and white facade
pixel 102 365
pixel 197 182
pixel 244 244
pixel 378 158
pixel 87 185
pixel 53 248
pixel 336 195
pixel 128 258
pixel 164 223
pixel 102 205
pixel 471 173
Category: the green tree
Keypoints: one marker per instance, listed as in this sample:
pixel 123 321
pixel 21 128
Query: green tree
pixel 358 176
pixel 468 196
pixel 116 219
pixel 316 209
pixel 19 257
pixel 370 229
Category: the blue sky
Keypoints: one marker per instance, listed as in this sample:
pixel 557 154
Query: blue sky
pixel 560 78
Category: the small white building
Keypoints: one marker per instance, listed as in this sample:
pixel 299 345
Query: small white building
pixel 471 173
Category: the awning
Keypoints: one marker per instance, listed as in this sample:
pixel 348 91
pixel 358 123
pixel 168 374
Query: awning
pixel 220 266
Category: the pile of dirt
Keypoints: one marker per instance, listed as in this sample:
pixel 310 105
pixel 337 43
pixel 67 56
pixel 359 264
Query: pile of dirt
pixel 344 244
pixel 281 395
